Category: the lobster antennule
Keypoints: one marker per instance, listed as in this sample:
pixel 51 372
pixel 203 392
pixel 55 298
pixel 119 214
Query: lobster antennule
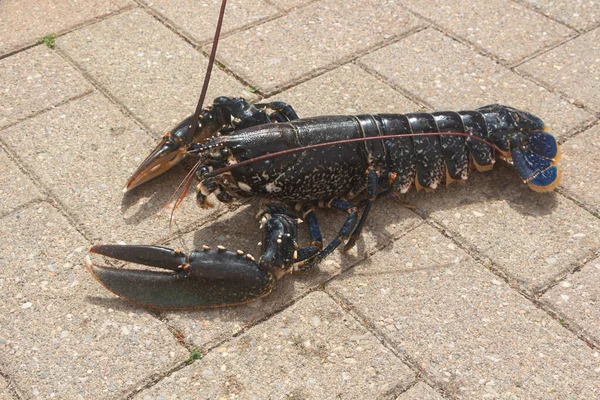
pixel 535 157
pixel 207 279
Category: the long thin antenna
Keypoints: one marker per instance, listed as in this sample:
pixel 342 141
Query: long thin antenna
pixel 211 61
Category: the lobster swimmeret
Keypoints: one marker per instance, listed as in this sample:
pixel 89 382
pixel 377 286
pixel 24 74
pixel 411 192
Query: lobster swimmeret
pixel 326 176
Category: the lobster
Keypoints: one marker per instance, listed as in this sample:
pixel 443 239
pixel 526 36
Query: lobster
pixel 265 150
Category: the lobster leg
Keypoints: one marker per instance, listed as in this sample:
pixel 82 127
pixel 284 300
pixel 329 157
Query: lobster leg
pixel 372 186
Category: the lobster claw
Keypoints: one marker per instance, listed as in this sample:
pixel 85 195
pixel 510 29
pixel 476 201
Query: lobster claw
pixel 201 279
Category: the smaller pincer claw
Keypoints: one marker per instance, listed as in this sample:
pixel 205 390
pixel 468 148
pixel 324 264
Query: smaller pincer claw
pixel 202 279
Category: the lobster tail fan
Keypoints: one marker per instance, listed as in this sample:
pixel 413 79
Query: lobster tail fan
pixel 535 158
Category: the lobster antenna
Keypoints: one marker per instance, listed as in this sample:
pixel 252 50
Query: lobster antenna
pixel 187 181
pixel 345 141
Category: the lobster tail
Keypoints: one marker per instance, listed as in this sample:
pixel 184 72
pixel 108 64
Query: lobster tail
pixel 535 157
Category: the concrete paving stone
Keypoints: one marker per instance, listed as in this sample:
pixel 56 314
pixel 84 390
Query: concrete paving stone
pixel 578 298
pixel 16 189
pixel 147 67
pixel 448 75
pixel 21 26
pixel 493 213
pixel 312 350
pixel 581 167
pixel 34 80
pixel 308 39
pixel 421 391
pixel 5 392
pixel 467 329
pixel 289 4
pixel 240 230
pixel 505 29
pixel 199 19
pixel 99 147
pixel 579 14
pixel 573 68
pixel 58 336
pixel 345 90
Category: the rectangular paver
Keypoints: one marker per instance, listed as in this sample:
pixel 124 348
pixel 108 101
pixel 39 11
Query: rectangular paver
pixel 578 299
pixel 468 331
pixel 99 147
pixel 311 350
pixel 16 188
pixel 199 19
pixel 493 213
pixel 309 39
pixel 147 67
pixel 21 26
pixel 58 336
pixel 578 14
pixel 505 29
pixel 573 68
pixel 345 90
pixel 35 80
pixel 581 166
pixel 239 230
pixel 448 75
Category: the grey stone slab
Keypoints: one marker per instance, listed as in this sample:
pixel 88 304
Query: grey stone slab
pixel 467 330
pixel 345 90
pixel 147 67
pixel 34 80
pixel 578 14
pixel 532 237
pixel 578 299
pixel 16 188
pixel 421 391
pixel 573 68
pixel 449 75
pixel 311 350
pixel 199 19
pixel 240 230
pixel 58 336
pixel 23 24
pixel 84 151
pixel 507 30
pixel 581 166
pixel 308 39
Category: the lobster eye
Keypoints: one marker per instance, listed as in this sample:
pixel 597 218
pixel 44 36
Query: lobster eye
pixel 201 172
pixel 225 152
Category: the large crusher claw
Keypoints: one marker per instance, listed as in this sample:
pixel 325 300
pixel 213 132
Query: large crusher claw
pixel 204 278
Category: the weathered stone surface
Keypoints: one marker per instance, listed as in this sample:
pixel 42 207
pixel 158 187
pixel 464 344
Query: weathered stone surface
pixel 58 336
pixel 466 80
pixel 573 68
pixel 21 26
pixel 421 391
pixel 578 14
pixel 507 30
pixel 16 188
pixel 5 392
pixel 578 299
pixel 467 329
pixel 345 90
pixel 198 19
pixel 148 68
pixel 581 166
pixel 532 237
pixel 312 350
pixel 309 39
pixel 34 80
pixel 239 230
pixel 84 152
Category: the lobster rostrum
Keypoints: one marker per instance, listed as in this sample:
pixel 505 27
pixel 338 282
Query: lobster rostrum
pixel 372 155
pixel 265 150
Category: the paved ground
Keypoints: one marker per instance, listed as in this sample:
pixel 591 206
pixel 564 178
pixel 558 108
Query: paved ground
pixel 483 290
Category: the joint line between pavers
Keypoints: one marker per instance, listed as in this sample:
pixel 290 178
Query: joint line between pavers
pixel 12 386
pixel 47 109
pixel 420 372
pixel 531 296
pixel 541 12
pixel 70 29
pixel 542 51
